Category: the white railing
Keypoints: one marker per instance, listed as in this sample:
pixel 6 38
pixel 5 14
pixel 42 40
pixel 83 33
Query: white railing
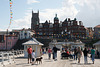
pixel 9 57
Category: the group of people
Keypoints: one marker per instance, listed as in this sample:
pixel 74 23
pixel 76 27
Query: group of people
pixel 52 51
pixel 77 53
pixel 74 54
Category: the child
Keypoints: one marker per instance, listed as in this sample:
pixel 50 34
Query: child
pixel 33 57
pixel 49 52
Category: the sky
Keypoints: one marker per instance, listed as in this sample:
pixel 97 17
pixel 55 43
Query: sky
pixel 86 11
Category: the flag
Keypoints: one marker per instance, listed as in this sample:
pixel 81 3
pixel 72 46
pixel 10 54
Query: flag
pixel 11 12
pixel 10 3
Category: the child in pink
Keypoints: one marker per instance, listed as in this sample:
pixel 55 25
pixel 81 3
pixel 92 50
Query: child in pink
pixel 49 52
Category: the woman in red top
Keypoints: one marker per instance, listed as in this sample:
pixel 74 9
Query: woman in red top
pixel 49 52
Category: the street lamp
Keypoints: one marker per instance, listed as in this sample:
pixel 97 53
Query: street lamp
pixel 6 39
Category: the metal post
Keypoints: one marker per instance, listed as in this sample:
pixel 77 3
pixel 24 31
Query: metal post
pixel 6 39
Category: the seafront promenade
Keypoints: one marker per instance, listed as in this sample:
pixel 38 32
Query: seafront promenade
pixel 22 62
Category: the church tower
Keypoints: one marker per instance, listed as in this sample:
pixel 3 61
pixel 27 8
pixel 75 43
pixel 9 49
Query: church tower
pixel 34 20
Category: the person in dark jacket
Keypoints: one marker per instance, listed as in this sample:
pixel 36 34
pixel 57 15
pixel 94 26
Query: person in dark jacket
pixel 55 52
pixel 85 52
pixel 75 53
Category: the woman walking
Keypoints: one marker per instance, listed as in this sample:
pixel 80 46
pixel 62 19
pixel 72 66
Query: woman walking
pixel 85 55
pixel 79 54
pixel 93 54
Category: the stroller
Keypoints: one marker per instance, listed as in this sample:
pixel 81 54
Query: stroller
pixel 63 55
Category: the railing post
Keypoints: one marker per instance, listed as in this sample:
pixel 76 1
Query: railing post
pixel 2 58
pixel 8 57
pixel 13 57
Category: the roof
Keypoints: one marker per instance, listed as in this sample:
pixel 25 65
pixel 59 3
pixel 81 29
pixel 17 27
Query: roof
pixel 97 43
pixel 98 26
pixel 78 42
pixel 60 43
pixel 33 41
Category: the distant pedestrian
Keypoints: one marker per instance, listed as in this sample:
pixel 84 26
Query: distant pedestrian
pixel 46 49
pixel 33 57
pixel 79 54
pixel 49 53
pixel 97 53
pixel 75 53
pixel 55 52
pixel 29 51
pixel 93 54
pixel 43 51
pixel 85 52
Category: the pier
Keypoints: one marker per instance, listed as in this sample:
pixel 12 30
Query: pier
pixel 22 62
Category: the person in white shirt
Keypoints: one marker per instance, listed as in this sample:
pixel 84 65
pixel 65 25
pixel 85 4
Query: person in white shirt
pixel 33 57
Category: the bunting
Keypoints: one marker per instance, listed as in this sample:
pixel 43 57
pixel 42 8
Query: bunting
pixel 11 13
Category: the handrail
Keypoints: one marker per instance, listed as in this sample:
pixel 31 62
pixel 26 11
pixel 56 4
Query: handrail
pixel 10 56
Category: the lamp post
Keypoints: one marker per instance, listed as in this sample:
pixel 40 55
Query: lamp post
pixel 6 39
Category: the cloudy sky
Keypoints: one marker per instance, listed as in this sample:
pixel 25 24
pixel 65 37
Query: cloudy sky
pixel 86 11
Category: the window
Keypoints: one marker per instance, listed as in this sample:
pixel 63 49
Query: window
pixel 68 23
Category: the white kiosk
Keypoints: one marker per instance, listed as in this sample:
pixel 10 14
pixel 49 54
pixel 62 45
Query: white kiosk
pixel 36 45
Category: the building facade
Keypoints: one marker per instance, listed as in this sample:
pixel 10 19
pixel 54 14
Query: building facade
pixel 7 41
pixel 25 34
pixel 97 31
pixel 73 28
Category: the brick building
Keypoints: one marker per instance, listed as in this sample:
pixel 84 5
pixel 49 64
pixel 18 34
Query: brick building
pixel 97 31
pixel 73 28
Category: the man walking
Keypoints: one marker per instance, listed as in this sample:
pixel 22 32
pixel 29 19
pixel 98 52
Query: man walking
pixel 55 52
pixel 29 51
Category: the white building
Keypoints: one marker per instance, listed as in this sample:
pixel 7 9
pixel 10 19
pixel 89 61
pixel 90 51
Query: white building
pixel 25 34
pixel 97 45
pixel 36 45
pixel 77 44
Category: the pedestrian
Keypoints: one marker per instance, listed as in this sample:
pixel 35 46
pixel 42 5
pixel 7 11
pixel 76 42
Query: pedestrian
pixel 93 54
pixel 43 50
pixel 75 54
pixel 79 54
pixel 46 49
pixel 29 51
pixel 85 52
pixel 33 57
pixel 97 53
pixel 49 53
pixel 55 52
